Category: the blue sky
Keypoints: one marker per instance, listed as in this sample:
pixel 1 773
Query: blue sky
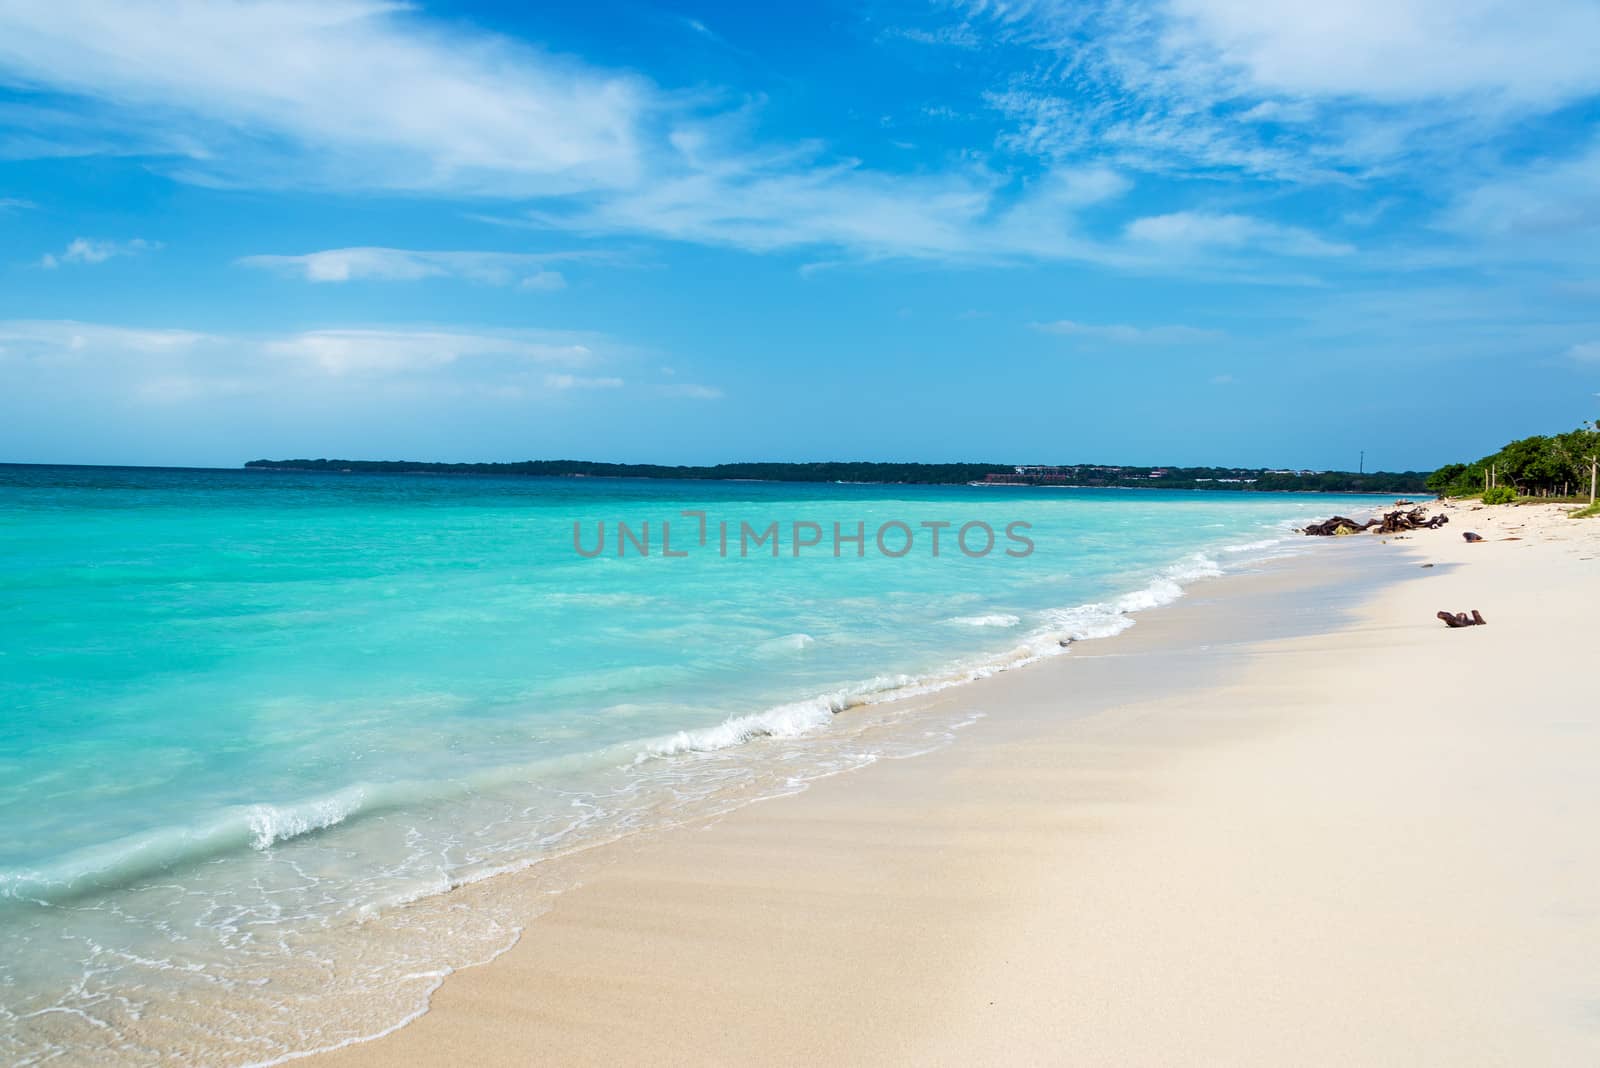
pixel 1182 232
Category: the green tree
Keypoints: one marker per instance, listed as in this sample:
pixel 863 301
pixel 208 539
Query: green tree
pixel 1445 479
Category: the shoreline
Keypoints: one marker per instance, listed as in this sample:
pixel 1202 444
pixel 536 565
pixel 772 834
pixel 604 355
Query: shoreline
pixel 347 966
pixel 816 886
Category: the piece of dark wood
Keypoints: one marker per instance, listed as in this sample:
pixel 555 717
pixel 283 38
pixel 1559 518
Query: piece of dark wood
pixel 1391 523
pixel 1461 619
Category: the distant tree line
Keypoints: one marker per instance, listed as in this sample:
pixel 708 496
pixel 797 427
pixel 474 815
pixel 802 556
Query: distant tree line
pixel 771 472
pixel 1242 478
pixel 1206 478
pixel 1540 466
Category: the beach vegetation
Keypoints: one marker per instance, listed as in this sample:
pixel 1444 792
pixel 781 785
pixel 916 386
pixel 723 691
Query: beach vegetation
pixel 1499 495
pixel 1542 466
pixel 1447 477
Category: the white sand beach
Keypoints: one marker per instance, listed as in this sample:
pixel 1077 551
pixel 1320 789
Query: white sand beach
pixel 1367 840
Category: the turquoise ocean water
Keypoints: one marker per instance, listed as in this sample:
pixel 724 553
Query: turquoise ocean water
pixel 252 724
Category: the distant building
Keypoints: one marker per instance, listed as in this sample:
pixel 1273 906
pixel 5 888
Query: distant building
pixel 1036 475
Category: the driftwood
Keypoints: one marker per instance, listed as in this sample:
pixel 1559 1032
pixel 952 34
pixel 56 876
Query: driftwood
pixel 1339 525
pixel 1462 619
pixel 1415 519
pixel 1392 523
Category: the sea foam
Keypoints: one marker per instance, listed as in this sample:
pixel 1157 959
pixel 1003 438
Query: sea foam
pixel 996 619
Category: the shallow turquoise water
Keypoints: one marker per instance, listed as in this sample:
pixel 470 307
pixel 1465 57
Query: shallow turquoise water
pixel 239 702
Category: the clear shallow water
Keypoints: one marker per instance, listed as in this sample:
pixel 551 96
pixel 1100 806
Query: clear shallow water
pixel 245 717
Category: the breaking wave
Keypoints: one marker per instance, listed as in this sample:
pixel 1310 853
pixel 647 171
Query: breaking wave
pixel 999 619
pixel 257 827
pixel 789 643
pixel 1059 630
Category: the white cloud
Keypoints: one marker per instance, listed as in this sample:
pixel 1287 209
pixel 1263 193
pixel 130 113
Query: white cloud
pixel 1586 352
pixel 363 94
pixel 1532 51
pixel 1124 334
pixel 98 392
pixel 526 270
pixel 1535 51
pixel 566 381
pixel 184 364
pixel 1331 94
pixel 83 250
pixel 956 36
pixel 788 201
pixel 1369 213
pixel 334 92
pixel 15 204
pixel 1278 111
pixel 1557 198
pixel 386 352
pixel 692 391
pixel 356 94
pixel 62 337
pixel 1200 229
pixel 360 94
pixel 544 281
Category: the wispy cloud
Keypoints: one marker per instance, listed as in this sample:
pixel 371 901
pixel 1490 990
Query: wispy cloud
pixel 384 352
pixel 1125 334
pixel 16 204
pixel 353 95
pixel 84 250
pixel 781 201
pixel 1199 229
pixel 31 338
pixel 1087 101
pixel 1547 198
pixel 691 390
pixel 335 93
pixel 698 27
pixel 526 270
pixel 1586 352
pixel 543 281
pixel 566 381
pixel 1531 51
pixel 957 35
pixel 311 363
pixel 102 392
pixel 1412 93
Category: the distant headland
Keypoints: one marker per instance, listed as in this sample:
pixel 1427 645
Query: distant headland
pixel 1066 476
